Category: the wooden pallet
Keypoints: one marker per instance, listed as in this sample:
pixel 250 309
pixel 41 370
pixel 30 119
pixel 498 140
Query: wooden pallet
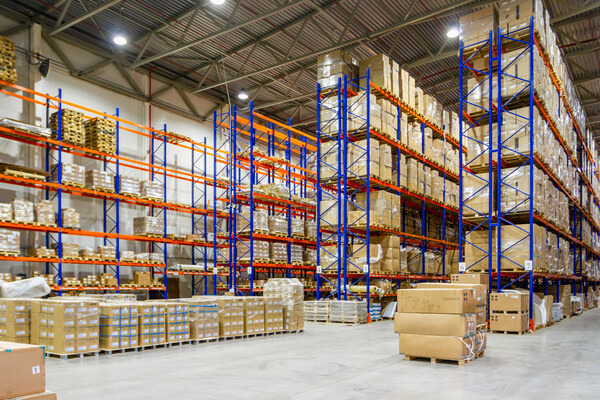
pixel 22 172
pixel 101 189
pixel 509 332
pixel 437 360
pixel 71 356
pixel 9 253
pixel 150 235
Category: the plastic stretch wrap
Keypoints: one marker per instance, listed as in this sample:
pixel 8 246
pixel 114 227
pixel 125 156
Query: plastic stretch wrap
pixel 260 221
pixel 127 255
pixel 310 229
pixel 129 185
pixel 6 212
pixel 296 253
pixel 297 227
pixel 69 250
pixel 44 213
pixel 278 226
pixel 22 211
pixel 21 126
pixel 358 160
pixel 70 218
pixel 155 257
pixel 101 180
pixel 151 189
pixel 310 256
pixel 278 190
pixel 357 113
pixel 279 252
pixel 32 287
pixel 70 173
pixel 107 252
pixel 290 290
pixel 142 257
pixel 148 225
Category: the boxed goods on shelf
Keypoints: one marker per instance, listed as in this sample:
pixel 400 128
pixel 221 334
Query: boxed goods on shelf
pixel 151 226
pixel 358 163
pixel 6 212
pixel 309 257
pixel 260 221
pixel 42 252
pixel 107 252
pixel 10 241
pixel 70 218
pixel 22 370
pixel 142 278
pixel 297 228
pixel 151 190
pixel 310 229
pixel 475 27
pixel 333 66
pixel 22 211
pixel 129 186
pixel 68 250
pixel 329 160
pixel 278 252
pixel 44 213
pixel 71 126
pixel 70 174
pixel 562 296
pixel 296 254
pixel 329 210
pixel 509 312
pixel 100 180
pixel 107 280
pixel 127 256
pixel 278 226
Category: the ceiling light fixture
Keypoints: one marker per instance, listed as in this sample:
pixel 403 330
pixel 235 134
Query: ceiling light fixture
pixel 217 2
pixel 452 32
pixel 243 95
pixel 120 40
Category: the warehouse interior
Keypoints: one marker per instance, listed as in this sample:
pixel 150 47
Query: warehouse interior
pixel 315 195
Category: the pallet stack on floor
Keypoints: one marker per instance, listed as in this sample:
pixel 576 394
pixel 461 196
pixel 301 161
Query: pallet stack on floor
pixel 509 313
pixel 439 324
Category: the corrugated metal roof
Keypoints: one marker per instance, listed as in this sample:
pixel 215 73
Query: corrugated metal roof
pixel 328 20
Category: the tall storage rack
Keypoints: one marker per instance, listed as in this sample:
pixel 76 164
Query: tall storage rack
pixel 250 149
pixel 341 185
pixel 488 222
pixel 112 233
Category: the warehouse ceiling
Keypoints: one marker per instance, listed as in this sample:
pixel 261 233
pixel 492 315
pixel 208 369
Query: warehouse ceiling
pixel 269 48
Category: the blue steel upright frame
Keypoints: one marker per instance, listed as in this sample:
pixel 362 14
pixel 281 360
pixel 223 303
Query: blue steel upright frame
pixel 158 158
pixel 111 207
pixel 200 254
pixel 329 188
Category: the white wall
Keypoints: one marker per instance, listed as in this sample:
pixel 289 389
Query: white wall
pixel 131 145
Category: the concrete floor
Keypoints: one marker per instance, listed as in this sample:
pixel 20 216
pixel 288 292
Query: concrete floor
pixel 329 361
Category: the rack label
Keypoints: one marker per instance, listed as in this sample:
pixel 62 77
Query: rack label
pixel 529 265
pixel 319 269
pixel 249 270
pixel 215 270
pixel 462 267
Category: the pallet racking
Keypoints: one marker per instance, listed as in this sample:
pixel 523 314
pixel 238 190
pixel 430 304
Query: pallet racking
pixel 250 159
pixel 341 185
pixel 500 158
pixel 160 142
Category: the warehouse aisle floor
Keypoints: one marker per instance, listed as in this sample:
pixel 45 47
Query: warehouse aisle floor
pixel 330 361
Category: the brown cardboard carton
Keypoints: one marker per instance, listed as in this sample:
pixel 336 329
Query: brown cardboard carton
pixel 470 278
pixel 38 396
pixel 22 370
pixel 434 324
pixel 509 322
pixel 518 302
pixel 481 290
pixel 439 301
pixel 442 347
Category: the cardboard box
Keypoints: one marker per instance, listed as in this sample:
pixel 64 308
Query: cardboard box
pixel 481 290
pixel 509 322
pixel 515 302
pixel 434 324
pixel 442 347
pixel 22 370
pixel 439 301
pixel 470 278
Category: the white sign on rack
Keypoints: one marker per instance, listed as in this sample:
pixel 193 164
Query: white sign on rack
pixel 529 265
pixel 462 267
pixel 319 269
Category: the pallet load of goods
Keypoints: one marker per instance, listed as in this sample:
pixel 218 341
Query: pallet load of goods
pixel 86 325
pixel 439 324
pixel 8 68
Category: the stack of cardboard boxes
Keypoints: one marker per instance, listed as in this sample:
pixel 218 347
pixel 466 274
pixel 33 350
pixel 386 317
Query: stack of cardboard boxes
pixel 14 320
pixel 509 312
pixel 151 328
pixel 291 291
pixel 439 324
pixel 100 180
pixel 23 372
pixel 273 314
pixel 119 324
pixel 254 315
pixel 177 322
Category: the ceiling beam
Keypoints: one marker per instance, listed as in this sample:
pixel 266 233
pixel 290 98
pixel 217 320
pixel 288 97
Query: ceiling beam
pixel 574 13
pixel 85 16
pixel 224 31
pixel 363 39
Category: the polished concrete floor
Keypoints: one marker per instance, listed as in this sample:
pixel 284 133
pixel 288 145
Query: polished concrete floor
pixel 351 362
